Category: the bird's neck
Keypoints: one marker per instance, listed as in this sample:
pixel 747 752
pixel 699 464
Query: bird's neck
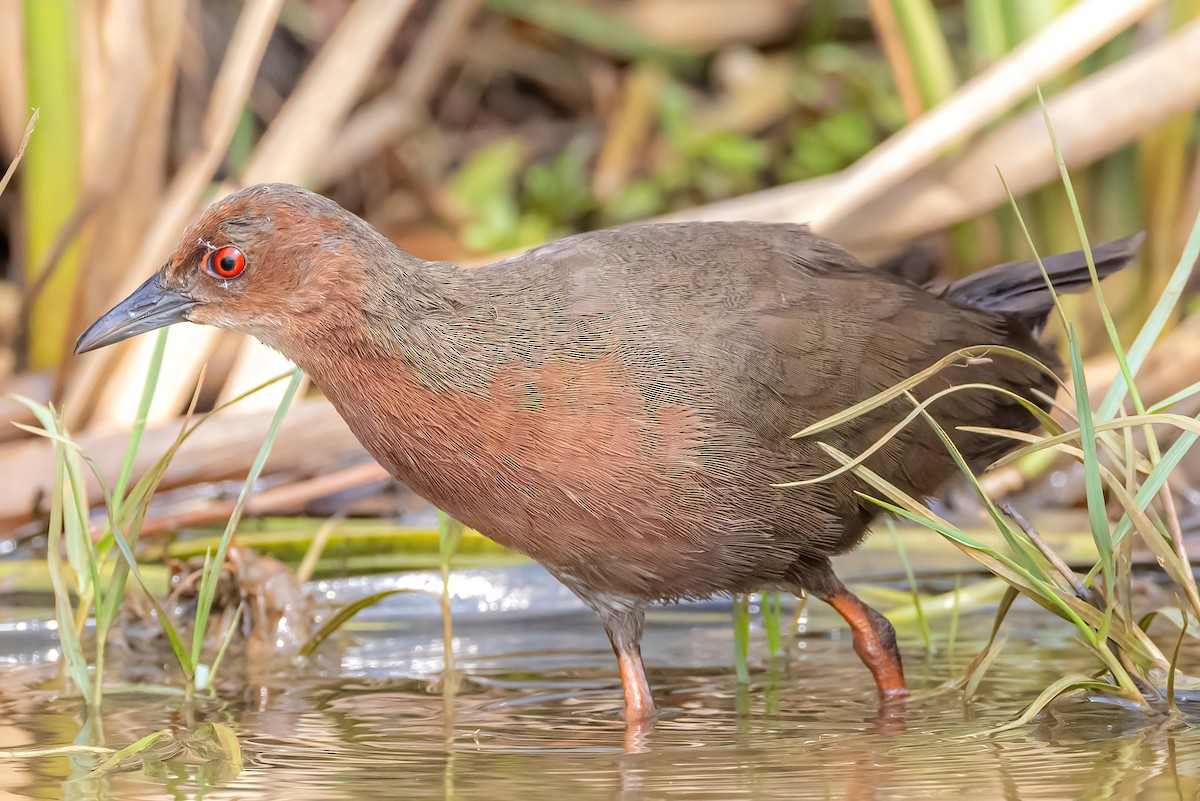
pixel 371 301
pixel 395 317
pixel 399 367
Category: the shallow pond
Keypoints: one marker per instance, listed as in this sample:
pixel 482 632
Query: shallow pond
pixel 538 715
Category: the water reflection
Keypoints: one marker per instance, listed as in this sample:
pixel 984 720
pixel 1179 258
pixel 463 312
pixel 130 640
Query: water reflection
pixel 538 716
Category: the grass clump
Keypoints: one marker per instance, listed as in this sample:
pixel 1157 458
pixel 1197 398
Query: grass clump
pixel 80 591
pixel 1116 468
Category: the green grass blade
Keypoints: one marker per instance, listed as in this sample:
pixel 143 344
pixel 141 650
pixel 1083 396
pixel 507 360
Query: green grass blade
pixel 208 584
pixel 952 637
pixel 741 636
pixel 80 551
pixel 1012 201
pixel 927 49
pixel 64 611
pixel 225 641
pixel 1057 688
pixel 1174 398
pixel 1109 326
pixel 985 31
pixel 128 757
pixel 1019 551
pixel 996 562
pixel 139 420
pixel 450 534
pixel 350 610
pixel 126 550
pixel 898 389
pixel 1174 669
pixel 1045 419
pixel 1093 484
pixel 1156 480
pixel 772 622
pixel 974 674
pixel 922 623
pixel 1154 324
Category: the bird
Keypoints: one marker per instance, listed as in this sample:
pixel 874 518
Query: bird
pixel 620 405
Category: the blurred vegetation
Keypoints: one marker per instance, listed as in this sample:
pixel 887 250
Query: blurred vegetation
pixel 833 103
pixel 52 169
pixel 560 116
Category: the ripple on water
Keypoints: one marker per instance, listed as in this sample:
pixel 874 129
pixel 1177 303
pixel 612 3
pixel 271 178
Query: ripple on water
pixel 539 717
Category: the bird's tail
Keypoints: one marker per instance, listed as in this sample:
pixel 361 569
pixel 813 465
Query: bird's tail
pixel 1018 287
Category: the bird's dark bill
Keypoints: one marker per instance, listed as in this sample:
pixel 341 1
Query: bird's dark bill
pixel 150 306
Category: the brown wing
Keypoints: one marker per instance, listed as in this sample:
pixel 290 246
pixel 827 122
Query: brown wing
pixel 834 333
pixel 764 329
pixel 771 328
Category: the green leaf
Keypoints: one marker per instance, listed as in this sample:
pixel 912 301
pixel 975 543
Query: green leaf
pixel 159 745
pixel 1057 688
pixel 350 610
pixel 214 741
pixel 1093 484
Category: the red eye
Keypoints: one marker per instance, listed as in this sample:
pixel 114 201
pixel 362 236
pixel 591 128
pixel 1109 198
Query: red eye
pixel 226 262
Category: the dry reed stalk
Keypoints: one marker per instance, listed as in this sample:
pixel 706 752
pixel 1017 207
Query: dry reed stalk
pixel 1152 85
pixel 130 54
pixel 290 156
pixel 887 31
pixel 109 374
pixel 704 26
pixel 387 118
pixel 300 138
pixel 293 159
pixel 107 124
pixel 288 499
pixel 312 438
pixel 1074 34
pixel 13 110
pixel 628 130
pixel 302 135
pixel 20 151
pixel 289 151
pixel 35 385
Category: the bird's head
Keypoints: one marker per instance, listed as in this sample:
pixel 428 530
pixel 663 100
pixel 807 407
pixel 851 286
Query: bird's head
pixel 264 261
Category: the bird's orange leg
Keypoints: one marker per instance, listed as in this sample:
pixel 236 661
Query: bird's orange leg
pixel 623 620
pixel 874 641
pixel 639 704
pixel 624 629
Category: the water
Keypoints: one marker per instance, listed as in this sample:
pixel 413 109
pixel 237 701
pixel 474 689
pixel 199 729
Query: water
pixel 539 715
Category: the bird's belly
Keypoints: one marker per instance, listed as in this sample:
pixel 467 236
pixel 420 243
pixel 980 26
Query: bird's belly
pixel 597 486
pixel 627 534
